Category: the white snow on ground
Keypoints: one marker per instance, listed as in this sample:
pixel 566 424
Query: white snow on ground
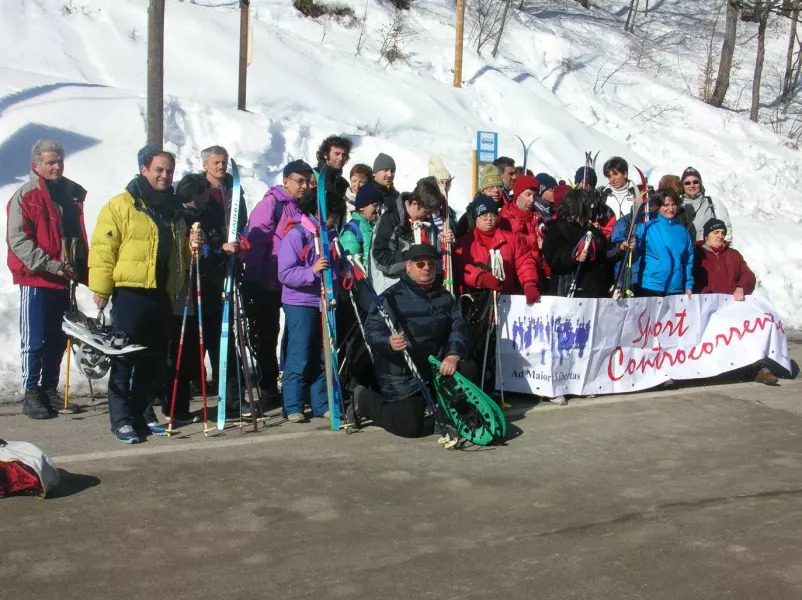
pixel 75 70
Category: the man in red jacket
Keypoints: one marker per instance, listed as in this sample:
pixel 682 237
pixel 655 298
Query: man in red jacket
pixel 719 269
pixel 45 220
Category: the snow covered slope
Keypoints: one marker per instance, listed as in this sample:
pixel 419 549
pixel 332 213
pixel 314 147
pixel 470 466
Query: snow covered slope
pixel 75 70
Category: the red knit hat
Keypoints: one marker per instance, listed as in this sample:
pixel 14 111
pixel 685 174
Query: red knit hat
pixel 525 182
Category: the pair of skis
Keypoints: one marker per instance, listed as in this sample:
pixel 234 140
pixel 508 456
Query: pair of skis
pixel 623 280
pixel 232 302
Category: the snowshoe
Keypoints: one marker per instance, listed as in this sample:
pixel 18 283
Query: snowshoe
pixel 95 333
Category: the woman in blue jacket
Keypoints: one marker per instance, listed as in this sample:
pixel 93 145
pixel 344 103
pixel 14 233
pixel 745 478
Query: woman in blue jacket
pixel 665 250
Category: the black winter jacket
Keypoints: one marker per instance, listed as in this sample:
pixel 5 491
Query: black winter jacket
pixel 389 195
pixel 433 325
pixel 595 276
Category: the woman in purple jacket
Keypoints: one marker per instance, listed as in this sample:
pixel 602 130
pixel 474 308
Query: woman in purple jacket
pixel 299 271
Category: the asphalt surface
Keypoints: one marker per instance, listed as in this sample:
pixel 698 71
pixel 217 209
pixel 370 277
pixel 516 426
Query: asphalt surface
pixel 690 493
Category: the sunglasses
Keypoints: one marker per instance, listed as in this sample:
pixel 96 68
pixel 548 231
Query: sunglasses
pixel 424 264
pixel 692 183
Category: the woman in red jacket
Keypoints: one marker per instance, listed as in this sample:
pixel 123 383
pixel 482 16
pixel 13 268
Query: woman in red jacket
pixel 719 269
pixel 493 259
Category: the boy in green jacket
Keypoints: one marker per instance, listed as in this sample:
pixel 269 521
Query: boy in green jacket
pixel 357 235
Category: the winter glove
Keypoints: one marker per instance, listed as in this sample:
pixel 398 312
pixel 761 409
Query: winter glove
pixel 488 281
pixel 532 293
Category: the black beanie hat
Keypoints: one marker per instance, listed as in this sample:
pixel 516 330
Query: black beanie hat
pixel 484 204
pixel 368 194
pixel 579 177
pixel 712 225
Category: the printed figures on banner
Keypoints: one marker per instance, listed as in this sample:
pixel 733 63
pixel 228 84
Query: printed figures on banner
pixel 557 336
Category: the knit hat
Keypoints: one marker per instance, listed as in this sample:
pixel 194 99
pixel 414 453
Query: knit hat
pixel 367 195
pixel 296 166
pixel 712 225
pixel 383 161
pixel 547 182
pixel 143 152
pixel 690 171
pixel 580 176
pixel 437 169
pixel 489 177
pixel 560 192
pixel 484 204
pixel 525 182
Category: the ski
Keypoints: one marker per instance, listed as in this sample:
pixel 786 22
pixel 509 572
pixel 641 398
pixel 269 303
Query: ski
pixel 222 371
pixel 446 439
pixel 328 305
pixel 526 149
pixel 448 269
pixel 622 283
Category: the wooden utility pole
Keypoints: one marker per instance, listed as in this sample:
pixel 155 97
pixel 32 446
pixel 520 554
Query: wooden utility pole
pixel 244 27
pixel 156 72
pixel 458 45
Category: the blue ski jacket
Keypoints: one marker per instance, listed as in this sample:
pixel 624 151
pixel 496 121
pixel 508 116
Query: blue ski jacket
pixel 665 252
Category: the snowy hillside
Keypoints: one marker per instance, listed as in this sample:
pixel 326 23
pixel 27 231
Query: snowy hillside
pixel 75 70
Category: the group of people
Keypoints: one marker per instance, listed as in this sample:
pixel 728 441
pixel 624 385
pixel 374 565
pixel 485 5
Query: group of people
pixel 521 234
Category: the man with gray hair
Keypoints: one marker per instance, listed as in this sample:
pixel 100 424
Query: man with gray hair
pixel 47 248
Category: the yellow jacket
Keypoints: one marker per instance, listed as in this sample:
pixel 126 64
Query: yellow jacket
pixel 124 248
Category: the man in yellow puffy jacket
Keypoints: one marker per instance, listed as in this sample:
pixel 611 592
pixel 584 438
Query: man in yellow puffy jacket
pixel 138 259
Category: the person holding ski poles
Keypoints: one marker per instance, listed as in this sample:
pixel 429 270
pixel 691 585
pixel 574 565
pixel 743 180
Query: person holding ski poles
pixel 665 250
pixel 45 217
pixel 429 323
pixel 299 270
pixel 139 259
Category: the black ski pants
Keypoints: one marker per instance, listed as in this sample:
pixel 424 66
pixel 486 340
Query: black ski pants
pixel 263 309
pixel 135 380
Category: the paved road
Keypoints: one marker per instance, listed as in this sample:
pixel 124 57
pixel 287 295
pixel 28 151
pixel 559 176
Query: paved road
pixel 667 495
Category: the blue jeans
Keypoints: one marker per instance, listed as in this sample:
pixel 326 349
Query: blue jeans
pixel 134 380
pixel 304 374
pixel 42 342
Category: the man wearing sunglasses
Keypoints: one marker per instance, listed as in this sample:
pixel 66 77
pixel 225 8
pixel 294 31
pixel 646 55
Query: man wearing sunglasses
pixel 429 323
pixel 266 229
pixel 701 206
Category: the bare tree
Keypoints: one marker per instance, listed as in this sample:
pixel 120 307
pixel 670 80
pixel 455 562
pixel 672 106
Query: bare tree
pixel 727 52
pixel 633 9
pixel 490 17
pixel 793 58
pixel 501 29
pixel 762 10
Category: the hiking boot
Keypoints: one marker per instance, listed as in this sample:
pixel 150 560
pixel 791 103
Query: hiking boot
pixel 55 403
pixel 296 418
pixel 33 407
pixel 766 377
pixel 127 435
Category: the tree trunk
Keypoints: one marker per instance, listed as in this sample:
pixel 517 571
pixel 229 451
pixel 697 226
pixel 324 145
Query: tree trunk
pixel 761 52
pixel 646 10
pixel 727 51
pixel 155 132
pixel 787 89
pixel 458 43
pixel 244 30
pixel 501 28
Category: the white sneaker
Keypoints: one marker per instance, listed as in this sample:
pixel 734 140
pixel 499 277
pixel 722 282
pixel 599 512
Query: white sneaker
pixel 296 418
pixel 560 400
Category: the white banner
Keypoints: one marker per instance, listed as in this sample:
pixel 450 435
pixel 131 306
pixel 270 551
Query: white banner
pixel 601 346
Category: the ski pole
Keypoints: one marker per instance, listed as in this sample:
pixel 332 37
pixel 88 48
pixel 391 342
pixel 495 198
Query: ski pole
pixel 195 257
pixel 503 404
pixel 180 353
pixel 67 378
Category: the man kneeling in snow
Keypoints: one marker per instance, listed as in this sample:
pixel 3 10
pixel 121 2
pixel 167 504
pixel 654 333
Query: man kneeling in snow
pixel 429 323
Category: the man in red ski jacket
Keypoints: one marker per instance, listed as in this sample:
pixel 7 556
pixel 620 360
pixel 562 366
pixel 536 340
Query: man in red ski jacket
pixel 519 217
pixel 490 258
pixel 47 247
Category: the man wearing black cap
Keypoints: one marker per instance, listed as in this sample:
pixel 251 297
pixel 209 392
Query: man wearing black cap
pixel 266 229
pixel 429 323
pixel 383 178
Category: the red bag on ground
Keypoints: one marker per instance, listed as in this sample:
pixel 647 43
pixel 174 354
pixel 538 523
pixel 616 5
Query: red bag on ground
pixel 25 469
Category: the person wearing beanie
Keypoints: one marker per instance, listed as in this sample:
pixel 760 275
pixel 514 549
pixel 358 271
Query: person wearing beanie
pixel 700 206
pixel 383 179
pixel 490 184
pixel 438 172
pixel 357 235
pixel 588 181
pixel 406 222
pixel 665 250
pixel 266 230
pixel 478 254
pixel 720 269
pixel 519 217
pixel 559 193
pixel 544 197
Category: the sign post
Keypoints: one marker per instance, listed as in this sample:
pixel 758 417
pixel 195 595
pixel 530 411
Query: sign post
pixel 486 152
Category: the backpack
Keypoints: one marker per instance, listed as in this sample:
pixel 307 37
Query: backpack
pixel 25 469
pixel 354 227
pixel 278 210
